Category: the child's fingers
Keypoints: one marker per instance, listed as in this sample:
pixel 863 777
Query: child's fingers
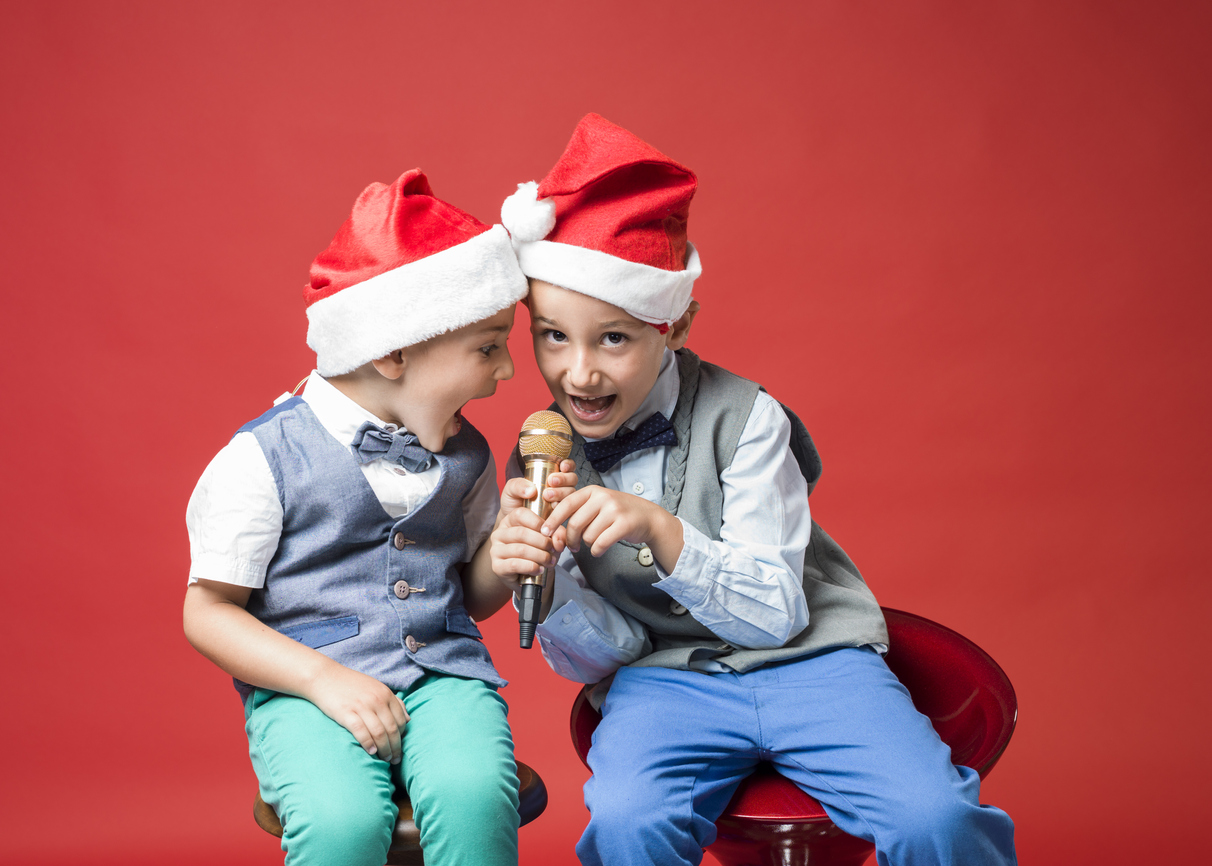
pixel 597 531
pixel 605 532
pixel 522 517
pixel 363 733
pixel 515 568
pixel 565 477
pixel 519 559
pixel 394 738
pixel 558 491
pixel 379 735
pixel 516 493
pixel 522 535
pixel 578 525
pixel 566 508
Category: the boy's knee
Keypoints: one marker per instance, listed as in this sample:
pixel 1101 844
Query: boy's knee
pixel 646 818
pixel 949 827
pixel 337 830
pixel 474 799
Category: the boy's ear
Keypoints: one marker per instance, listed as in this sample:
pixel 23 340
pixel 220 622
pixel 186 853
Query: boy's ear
pixel 391 366
pixel 679 331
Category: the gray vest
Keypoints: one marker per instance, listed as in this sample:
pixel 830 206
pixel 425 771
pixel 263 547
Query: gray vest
pixel 377 594
pixel 713 406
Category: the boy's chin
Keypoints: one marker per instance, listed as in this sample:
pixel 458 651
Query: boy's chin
pixel 437 440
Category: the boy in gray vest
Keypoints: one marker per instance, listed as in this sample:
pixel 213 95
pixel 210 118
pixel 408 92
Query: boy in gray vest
pixel 334 540
pixel 722 625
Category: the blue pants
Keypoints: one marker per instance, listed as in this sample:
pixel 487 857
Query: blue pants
pixel 335 800
pixel 673 746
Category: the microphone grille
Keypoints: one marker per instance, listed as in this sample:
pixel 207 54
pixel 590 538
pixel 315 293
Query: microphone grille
pixel 546 433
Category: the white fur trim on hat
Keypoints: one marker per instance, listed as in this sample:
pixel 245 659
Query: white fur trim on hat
pixel 652 295
pixel 414 302
pixel 528 217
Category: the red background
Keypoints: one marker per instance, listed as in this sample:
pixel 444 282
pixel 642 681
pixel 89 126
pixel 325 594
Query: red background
pixel 968 242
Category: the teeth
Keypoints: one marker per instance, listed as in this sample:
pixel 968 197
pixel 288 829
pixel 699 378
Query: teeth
pixel 592 404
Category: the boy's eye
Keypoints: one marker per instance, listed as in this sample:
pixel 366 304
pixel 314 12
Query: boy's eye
pixel 489 349
pixel 556 336
pixel 615 339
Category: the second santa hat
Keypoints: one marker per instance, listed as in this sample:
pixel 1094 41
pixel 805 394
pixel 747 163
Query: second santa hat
pixel 406 266
pixel 609 221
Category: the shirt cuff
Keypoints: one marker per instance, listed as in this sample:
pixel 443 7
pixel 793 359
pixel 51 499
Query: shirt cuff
pixel 695 570
pixel 219 568
pixel 577 651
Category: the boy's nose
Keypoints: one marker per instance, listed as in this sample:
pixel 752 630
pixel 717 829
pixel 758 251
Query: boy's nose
pixel 582 373
pixel 505 369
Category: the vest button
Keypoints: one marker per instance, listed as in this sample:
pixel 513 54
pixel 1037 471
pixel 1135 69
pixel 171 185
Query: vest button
pixel 644 557
pixel 675 608
pixel 412 643
pixel 400 541
pixel 401 589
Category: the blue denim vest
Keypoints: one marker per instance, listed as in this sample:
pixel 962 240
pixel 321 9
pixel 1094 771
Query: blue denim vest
pixel 378 594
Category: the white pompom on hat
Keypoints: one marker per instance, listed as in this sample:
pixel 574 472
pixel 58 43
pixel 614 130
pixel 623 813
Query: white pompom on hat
pixel 609 221
pixel 405 267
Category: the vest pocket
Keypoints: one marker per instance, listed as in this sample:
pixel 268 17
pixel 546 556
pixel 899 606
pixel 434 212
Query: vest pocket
pixel 459 622
pixel 324 632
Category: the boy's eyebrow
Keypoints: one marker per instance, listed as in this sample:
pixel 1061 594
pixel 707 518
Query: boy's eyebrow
pixel 615 323
pixel 493 329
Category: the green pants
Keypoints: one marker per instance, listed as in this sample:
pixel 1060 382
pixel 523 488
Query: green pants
pixel 334 800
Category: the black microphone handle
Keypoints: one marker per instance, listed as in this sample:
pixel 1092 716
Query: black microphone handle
pixel 530 602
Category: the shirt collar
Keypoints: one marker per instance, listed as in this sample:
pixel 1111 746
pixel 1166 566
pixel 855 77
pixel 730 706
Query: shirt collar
pixel 338 414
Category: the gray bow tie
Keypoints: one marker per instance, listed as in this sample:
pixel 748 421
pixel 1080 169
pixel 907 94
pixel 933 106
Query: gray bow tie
pixel 374 443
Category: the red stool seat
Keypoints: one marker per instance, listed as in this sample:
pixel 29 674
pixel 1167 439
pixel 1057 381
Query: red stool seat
pixel 953 682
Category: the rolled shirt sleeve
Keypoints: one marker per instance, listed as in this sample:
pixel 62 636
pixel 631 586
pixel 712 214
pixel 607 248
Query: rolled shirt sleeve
pixel 234 516
pixel 586 638
pixel 748 586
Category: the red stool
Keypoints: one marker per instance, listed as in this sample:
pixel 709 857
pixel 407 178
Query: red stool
pixel 953 682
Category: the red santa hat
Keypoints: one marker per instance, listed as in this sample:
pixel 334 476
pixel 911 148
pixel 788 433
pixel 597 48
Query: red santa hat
pixel 403 268
pixel 609 221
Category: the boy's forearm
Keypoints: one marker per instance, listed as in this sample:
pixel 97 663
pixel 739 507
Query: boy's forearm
pixel 666 539
pixel 218 626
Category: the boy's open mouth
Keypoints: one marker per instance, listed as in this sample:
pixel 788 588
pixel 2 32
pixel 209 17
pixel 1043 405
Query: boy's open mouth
pixel 590 409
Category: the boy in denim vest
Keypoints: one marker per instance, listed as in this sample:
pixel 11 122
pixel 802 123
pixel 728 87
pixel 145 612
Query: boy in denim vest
pixel 334 541
pixel 722 625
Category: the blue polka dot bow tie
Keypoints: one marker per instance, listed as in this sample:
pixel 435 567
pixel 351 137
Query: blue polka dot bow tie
pixel 374 443
pixel 654 432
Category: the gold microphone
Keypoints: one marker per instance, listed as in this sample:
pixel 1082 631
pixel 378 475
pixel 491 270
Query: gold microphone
pixel 546 439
